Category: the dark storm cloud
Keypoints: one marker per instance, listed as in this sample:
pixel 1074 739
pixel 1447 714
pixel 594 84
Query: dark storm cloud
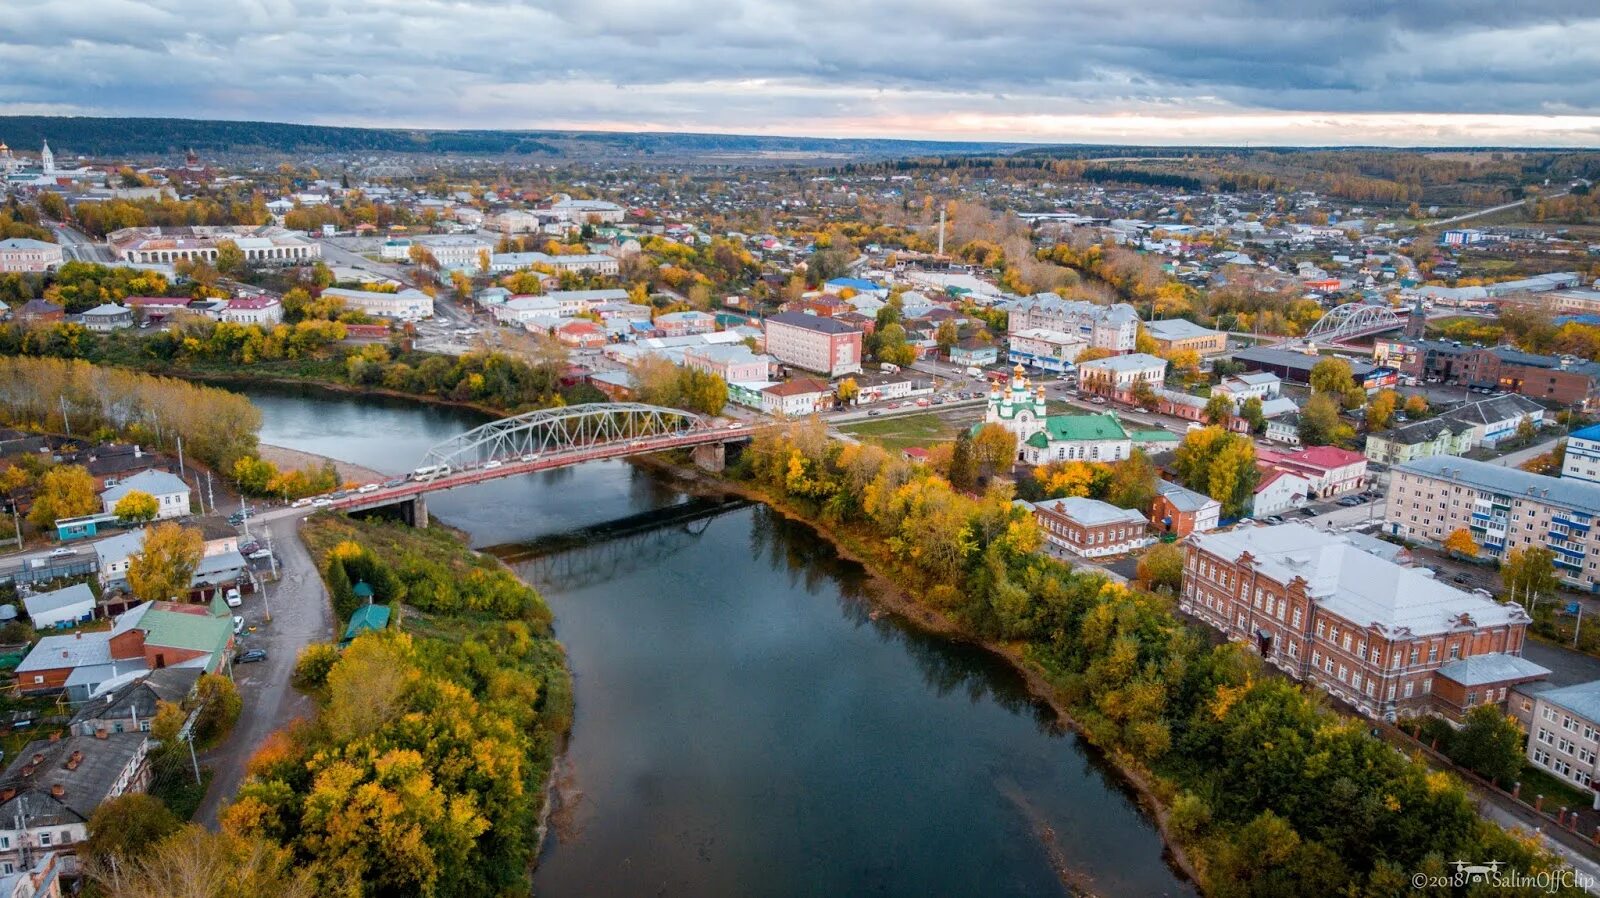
pixel 795 67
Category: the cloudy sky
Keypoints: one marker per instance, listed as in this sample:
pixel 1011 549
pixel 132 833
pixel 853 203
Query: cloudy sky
pixel 1509 72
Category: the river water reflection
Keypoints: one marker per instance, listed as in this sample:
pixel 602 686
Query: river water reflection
pixel 744 725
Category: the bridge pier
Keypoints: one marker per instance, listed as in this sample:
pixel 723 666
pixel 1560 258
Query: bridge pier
pixel 711 457
pixel 415 512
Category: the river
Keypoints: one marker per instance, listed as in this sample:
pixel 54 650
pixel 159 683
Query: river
pixel 743 725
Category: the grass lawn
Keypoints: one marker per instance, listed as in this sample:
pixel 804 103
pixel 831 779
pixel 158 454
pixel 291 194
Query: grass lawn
pixel 1557 793
pixel 904 432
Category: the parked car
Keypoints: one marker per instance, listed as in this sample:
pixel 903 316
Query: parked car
pixel 238 624
pixel 247 548
pixel 236 518
pixel 1309 512
pixel 62 552
pixel 1460 578
pixel 1098 400
pixel 260 555
pixel 874 413
pixel 233 599
pixel 1275 519
pixel 250 655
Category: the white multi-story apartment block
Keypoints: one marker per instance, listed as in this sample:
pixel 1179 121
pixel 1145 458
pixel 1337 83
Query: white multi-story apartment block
pixel 587 211
pixel 1504 509
pixel 1583 455
pixel 1564 731
pixel 1114 327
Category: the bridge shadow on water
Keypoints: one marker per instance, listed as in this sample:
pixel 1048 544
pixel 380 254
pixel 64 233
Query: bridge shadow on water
pixel 594 555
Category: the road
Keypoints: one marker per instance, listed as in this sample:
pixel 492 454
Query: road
pixel 1489 211
pixel 77 247
pixel 301 615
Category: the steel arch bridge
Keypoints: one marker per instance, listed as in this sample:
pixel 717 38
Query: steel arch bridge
pixel 1351 320
pixel 563 430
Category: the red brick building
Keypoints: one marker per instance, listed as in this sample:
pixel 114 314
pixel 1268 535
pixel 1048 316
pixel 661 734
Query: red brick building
pixel 1368 631
pixel 1091 528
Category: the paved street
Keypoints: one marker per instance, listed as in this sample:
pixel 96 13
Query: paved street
pixel 300 615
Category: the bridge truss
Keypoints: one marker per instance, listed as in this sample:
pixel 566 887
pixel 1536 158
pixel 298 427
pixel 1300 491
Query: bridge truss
pixel 1353 320
pixel 563 429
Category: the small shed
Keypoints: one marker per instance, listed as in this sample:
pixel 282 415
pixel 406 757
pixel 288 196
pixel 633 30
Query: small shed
pixel 367 617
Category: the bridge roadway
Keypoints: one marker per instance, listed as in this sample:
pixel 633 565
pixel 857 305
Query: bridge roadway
pixel 545 461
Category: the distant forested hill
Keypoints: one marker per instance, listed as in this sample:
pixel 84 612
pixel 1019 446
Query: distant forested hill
pixel 134 137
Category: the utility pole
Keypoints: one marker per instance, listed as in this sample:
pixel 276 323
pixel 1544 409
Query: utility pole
pixel 941 230
pixel 181 471
pixel 65 424
pixel 1577 627
pixel 210 495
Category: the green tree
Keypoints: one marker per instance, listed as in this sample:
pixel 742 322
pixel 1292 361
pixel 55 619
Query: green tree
pixel 1321 425
pixel 1489 744
pixel 1220 464
pixel 230 258
pixel 1144 396
pixel 1162 567
pixel 1252 410
pixel 1218 410
pixel 1380 409
pixel 219 703
pixel 994 448
pixel 848 390
pixel 125 827
pixel 165 566
pixel 1133 483
pixel 1529 572
pixel 893 348
pixel 946 335
pixel 963 468
pixel 1526 431
pixel 1332 377
pixel 194 863
pixel 137 506
pixel 1416 407
pixel 64 491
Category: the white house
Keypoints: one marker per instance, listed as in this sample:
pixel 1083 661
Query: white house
pixel 1261 385
pixel 23 254
pixel 797 398
pixel 71 605
pixel 1279 491
pixel 170 493
pixel 261 310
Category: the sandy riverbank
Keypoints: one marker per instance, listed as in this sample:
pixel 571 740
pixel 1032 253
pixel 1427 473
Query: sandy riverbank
pixel 286 458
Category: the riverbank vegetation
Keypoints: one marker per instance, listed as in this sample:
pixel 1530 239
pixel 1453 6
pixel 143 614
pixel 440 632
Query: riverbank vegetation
pixel 1261 787
pixel 307 350
pixel 424 770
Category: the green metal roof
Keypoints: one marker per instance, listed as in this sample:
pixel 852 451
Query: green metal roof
pixel 1084 427
pixel 200 632
pixel 367 617
pixel 1153 436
